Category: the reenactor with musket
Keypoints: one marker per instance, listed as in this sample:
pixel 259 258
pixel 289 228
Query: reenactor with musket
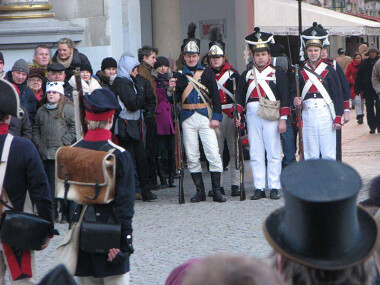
pixel 224 75
pixel 263 91
pixel 345 90
pixel 322 98
pixel 197 90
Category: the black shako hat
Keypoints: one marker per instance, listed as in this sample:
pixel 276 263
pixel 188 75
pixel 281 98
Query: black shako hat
pixel 321 226
pixel 191 45
pixel 316 35
pixel 9 100
pixel 216 47
pixel 100 105
pixel 259 41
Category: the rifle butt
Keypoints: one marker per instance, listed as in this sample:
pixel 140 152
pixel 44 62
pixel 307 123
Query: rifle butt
pixel 181 194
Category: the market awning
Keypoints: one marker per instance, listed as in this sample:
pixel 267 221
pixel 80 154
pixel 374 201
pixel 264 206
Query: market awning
pixel 280 17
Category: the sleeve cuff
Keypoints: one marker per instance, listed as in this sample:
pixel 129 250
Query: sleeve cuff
pixel 285 111
pixel 338 120
pixel 346 105
pixel 217 116
pixel 284 117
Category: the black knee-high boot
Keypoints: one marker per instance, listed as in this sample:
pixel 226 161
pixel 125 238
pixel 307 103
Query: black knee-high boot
pixel 215 181
pixel 198 181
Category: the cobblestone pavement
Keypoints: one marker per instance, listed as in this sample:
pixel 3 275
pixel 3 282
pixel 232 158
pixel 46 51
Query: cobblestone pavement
pixel 167 234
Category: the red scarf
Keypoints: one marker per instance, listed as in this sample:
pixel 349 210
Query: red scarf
pixel 38 95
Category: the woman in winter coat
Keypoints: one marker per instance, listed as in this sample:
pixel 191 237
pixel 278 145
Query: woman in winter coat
pixel 69 56
pixel 164 121
pixel 128 125
pixel 351 73
pixel 107 74
pixel 54 127
pixel 89 83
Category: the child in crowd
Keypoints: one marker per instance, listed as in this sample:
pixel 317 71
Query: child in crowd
pixel 54 127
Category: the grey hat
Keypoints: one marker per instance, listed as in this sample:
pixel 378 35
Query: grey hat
pixel 372 48
pixel 21 65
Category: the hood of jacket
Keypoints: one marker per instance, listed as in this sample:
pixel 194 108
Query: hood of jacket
pixel 126 64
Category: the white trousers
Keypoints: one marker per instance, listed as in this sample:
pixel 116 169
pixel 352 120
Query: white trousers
pixel 319 137
pixel 359 105
pixel 226 132
pixel 263 136
pixel 4 267
pixel 122 279
pixel 199 125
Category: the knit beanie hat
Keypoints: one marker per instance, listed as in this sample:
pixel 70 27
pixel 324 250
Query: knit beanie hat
pixel 109 62
pixel 1 57
pixel 21 65
pixel 86 66
pixel 160 61
pixel 56 86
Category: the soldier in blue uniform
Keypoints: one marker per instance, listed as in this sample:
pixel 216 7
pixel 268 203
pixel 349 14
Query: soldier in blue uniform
pixel 114 267
pixel 24 175
pixel 264 135
pixel 197 90
pixel 322 98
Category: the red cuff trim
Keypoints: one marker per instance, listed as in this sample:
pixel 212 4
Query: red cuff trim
pixel 285 111
pixel 99 116
pixel 240 108
pixel 338 120
pixel 4 128
pixel 346 105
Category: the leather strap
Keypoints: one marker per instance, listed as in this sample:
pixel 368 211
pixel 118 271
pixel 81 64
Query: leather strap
pixel 194 106
pixel 4 159
pixel 190 85
pixel 263 82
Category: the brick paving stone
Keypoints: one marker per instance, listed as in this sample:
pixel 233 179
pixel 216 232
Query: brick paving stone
pixel 167 234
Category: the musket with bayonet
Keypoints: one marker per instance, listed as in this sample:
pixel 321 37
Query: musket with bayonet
pixel 299 116
pixel 178 152
pixel 80 121
pixel 239 155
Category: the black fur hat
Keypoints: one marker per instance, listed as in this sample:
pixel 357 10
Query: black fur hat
pixel 191 45
pixel 216 45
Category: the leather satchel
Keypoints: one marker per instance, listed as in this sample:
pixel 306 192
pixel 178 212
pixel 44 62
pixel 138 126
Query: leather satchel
pixel 98 237
pixel 85 176
pixel 268 110
pixel 68 250
pixel 23 230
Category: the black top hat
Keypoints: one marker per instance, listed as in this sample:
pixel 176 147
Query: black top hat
pixel 191 45
pixel 216 46
pixel 321 226
pixel 9 100
pixel 259 41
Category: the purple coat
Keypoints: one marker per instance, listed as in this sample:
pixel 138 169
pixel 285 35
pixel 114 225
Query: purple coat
pixel 164 119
